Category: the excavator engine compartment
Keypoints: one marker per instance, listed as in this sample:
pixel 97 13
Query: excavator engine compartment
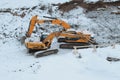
pixel 73 38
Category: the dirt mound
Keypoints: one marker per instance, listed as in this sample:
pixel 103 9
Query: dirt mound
pixel 65 7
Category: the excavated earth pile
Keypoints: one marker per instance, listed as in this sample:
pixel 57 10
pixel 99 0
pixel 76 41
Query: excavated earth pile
pixel 88 6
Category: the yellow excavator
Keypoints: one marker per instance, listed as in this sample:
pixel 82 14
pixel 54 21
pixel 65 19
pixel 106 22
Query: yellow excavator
pixel 45 41
pixel 34 20
pixel 70 38
pixel 42 45
pixel 73 38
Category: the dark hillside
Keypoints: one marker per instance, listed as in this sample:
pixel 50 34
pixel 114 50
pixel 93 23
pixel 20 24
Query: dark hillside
pixel 88 6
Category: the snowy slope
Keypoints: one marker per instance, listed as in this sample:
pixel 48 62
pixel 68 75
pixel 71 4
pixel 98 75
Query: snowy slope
pixel 27 3
pixel 17 3
pixel 17 64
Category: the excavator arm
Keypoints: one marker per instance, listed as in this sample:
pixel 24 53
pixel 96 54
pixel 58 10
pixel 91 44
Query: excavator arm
pixel 48 40
pixel 34 21
pixel 61 23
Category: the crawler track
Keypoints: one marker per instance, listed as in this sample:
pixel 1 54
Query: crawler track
pixel 71 45
pixel 45 53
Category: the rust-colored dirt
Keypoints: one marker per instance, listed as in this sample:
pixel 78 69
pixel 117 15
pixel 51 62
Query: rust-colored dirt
pixel 65 7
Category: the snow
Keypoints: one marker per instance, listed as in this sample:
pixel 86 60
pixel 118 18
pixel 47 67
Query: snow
pixel 55 1
pixel 17 3
pixel 27 3
pixel 17 64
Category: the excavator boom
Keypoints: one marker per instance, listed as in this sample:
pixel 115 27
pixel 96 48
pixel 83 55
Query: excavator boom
pixel 34 20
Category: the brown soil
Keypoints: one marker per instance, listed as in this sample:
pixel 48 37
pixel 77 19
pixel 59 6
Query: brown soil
pixel 65 7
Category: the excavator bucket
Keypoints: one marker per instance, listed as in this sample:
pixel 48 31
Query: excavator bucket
pixel 23 39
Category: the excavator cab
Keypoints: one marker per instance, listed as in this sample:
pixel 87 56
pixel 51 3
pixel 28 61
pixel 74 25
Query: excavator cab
pixel 43 36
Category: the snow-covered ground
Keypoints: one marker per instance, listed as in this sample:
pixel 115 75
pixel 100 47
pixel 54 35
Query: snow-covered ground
pixel 27 3
pixel 17 3
pixel 17 64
